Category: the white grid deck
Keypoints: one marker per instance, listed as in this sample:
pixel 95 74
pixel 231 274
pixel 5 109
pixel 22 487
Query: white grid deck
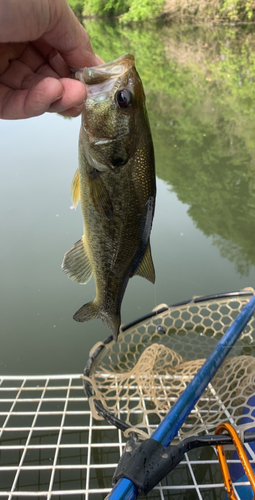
pixel 50 447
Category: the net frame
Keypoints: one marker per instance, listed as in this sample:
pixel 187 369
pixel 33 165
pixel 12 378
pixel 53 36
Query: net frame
pixel 99 349
pixel 197 477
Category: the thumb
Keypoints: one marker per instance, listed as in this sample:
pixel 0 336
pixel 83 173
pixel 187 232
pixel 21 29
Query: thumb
pixel 70 39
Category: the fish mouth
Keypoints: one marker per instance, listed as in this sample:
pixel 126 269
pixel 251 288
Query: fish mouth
pixel 107 71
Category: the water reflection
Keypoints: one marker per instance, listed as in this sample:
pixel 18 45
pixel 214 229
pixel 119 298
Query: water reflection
pixel 201 100
pixel 203 236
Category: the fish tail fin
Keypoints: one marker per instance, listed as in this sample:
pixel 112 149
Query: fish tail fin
pixel 91 310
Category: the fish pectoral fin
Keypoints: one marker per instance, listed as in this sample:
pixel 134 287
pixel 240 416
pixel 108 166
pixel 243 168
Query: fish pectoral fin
pixel 76 263
pixel 75 189
pixel 99 194
pixel 146 268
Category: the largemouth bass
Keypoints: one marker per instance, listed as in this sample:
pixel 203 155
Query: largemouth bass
pixel 115 183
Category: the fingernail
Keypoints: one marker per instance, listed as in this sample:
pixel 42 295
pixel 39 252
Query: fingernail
pixel 73 70
pixel 58 97
pixel 99 60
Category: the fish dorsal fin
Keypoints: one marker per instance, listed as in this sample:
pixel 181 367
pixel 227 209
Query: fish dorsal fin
pixel 76 263
pixel 75 189
pixel 146 268
pixel 99 194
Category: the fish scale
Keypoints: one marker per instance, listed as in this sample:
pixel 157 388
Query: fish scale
pixel 115 183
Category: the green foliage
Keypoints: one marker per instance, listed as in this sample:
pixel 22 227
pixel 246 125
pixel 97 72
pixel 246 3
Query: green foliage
pixel 237 9
pixel 102 8
pixel 128 10
pixel 77 6
pixel 227 10
pixel 200 89
pixel 141 10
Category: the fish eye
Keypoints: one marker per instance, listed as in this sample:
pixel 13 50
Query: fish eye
pixel 124 98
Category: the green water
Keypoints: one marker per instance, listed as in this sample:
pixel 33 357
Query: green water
pixel 200 92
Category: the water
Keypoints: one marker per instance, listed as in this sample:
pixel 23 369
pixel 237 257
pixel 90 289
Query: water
pixel 200 99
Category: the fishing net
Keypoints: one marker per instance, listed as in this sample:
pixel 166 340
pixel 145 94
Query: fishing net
pixel 135 382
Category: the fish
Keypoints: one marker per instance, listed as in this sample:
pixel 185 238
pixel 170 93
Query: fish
pixel 115 183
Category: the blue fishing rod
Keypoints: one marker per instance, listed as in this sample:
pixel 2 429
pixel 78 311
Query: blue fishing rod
pixel 125 489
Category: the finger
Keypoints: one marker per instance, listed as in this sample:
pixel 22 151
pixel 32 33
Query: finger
pixel 35 59
pixel 19 76
pixel 99 60
pixel 8 52
pixel 53 57
pixel 16 76
pixel 25 20
pixel 71 39
pixel 55 22
pixel 73 96
pixel 58 64
pixel 31 57
pixel 17 104
pixel 72 112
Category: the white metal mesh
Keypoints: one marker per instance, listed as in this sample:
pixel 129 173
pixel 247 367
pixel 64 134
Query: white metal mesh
pixel 50 447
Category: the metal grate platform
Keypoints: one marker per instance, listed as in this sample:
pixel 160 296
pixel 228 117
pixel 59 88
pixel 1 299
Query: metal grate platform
pixel 50 447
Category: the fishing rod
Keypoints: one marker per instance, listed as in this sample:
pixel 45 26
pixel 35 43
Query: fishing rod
pixel 157 446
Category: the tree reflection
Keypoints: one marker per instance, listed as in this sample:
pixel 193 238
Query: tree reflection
pixel 201 101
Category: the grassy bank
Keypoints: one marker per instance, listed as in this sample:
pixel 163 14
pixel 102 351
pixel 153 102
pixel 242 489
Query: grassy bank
pixel 231 11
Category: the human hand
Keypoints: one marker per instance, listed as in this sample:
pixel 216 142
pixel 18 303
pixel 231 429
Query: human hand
pixel 39 41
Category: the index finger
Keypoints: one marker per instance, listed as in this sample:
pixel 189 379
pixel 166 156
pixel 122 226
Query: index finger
pixel 71 40
pixel 18 104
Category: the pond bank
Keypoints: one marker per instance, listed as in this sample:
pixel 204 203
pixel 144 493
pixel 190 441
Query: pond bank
pixel 229 11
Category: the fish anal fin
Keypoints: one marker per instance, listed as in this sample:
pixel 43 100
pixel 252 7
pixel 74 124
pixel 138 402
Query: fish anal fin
pixel 91 310
pixel 99 194
pixel 76 263
pixel 146 268
pixel 87 312
pixel 75 189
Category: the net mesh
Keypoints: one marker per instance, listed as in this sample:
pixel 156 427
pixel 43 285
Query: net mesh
pixel 139 378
